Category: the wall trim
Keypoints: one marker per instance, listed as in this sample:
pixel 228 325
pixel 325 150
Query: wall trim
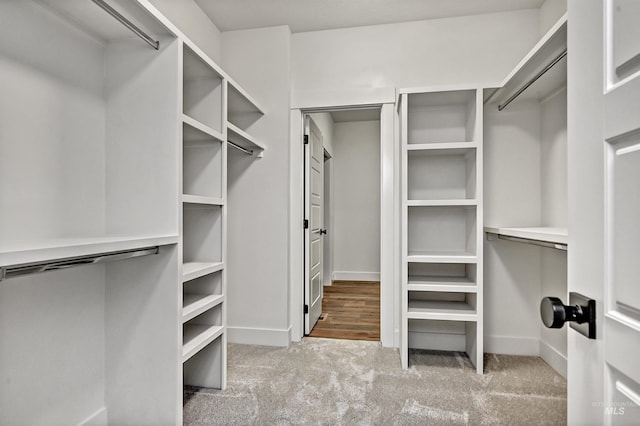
pixel 259 336
pixel 554 358
pixel 95 419
pixel 355 276
pixel 512 345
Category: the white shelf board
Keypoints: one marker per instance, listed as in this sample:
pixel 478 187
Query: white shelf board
pixel 441 310
pixel 447 148
pixel 194 304
pixel 198 132
pixel 240 102
pixel 242 138
pixel 551 44
pixel 20 252
pixel 442 203
pixel 544 234
pixel 193 270
pixel 441 257
pixel 197 67
pixel 442 284
pixel 196 337
pixel 199 199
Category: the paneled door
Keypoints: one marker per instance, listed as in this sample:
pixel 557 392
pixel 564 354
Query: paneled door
pixel 314 182
pixel 604 223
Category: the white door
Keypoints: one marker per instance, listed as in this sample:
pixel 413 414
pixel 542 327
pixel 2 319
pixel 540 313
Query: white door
pixel 604 217
pixel 314 182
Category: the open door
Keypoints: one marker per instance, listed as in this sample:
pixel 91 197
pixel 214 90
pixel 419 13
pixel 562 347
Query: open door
pixel 604 209
pixel 313 209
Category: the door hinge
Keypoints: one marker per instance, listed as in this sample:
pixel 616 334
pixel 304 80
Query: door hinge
pixel 306 309
pixel 306 224
pixel 306 139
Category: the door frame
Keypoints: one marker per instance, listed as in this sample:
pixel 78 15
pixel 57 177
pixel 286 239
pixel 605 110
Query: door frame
pixel 389 219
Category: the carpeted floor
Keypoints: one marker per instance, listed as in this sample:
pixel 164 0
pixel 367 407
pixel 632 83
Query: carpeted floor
pixel 343 382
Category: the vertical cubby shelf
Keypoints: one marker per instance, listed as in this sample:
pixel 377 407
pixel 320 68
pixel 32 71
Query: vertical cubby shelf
pixel 441 135
pixel 204 161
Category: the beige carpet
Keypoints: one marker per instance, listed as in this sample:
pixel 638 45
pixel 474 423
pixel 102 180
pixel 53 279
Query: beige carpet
pixel 342 382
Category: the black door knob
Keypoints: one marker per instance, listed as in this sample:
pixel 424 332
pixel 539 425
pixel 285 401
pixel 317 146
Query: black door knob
pixel 323 231
pixel 580 313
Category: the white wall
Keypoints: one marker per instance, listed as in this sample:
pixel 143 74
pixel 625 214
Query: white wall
pixel 258 192
pixel 466 50
pixel 356 202
pixel 194 23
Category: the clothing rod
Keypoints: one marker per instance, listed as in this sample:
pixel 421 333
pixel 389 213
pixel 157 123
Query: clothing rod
pixel 239 148
pixel 533 80
pixel 547 244
pixel 127 23
pixel 54 265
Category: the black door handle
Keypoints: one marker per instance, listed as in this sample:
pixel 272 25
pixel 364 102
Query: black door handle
pixel 323 232
pixel 581 313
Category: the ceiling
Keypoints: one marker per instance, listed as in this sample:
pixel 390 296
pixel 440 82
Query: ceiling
pixel 314 15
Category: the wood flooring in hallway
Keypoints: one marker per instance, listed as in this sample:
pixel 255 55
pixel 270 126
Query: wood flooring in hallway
pixel 350 310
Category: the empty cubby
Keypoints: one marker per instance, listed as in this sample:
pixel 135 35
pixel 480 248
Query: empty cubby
pixel 442 117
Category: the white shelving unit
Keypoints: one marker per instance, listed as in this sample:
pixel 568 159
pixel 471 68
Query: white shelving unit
pixel 242 113
pixel 526 200
pixel 114 146
pixel 442 222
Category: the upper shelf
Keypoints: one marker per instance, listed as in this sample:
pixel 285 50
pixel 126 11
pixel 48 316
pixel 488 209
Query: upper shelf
pixel 242 138
pixel 549 237
pixel 23 252
pixel 89 17
pixel 550 47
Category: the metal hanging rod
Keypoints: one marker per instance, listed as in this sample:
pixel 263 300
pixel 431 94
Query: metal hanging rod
pixel 533 80
pixel 239 148
pixel 127 23
pixel 54 265
pixel 547 244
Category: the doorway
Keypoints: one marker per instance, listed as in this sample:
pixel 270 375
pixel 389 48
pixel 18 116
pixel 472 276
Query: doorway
pixel 342 211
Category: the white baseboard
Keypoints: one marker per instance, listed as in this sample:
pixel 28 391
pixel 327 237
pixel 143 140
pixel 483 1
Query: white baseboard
pixel 259 336
pixel 99 418
pixel 437 341
pixel 511 345
pixel 355 276
pixel 554 358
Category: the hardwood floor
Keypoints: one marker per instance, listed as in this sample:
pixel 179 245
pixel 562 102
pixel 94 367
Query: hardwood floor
pixel 350 310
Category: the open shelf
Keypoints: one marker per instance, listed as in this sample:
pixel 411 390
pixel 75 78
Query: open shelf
pixel 242 109
pixel 193 304
pixel 448 174
pixel 193 270
pixel 441 117
pixel 20 252
pixel 198 199
pixel 441 310
pixel 202 233
pixel 442 277
pixel 441 231
pixel 542 54
pixel 558 236
pixel 202 90
pixel 197 336
pixel 242 138
pixel 421 256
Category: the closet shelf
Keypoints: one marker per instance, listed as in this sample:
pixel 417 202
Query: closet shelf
pixel 195 131
pixel 441 257
pixel 550 237
pixel 193 270
pixel 441 284
pixel 196 337
pixel 449 147
pixel 21 252
pixel 242 138
pixel 542 54
pixel 441 310
pixel 240 102
pixel 199 199
pixel 194 304
pixel 442 203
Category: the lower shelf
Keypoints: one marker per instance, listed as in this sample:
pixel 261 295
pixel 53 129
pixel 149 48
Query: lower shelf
pixel 441 257
pixel 195 337
pixel 194 304
pixel 193 270
pixel 441 310
pixel 443 284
